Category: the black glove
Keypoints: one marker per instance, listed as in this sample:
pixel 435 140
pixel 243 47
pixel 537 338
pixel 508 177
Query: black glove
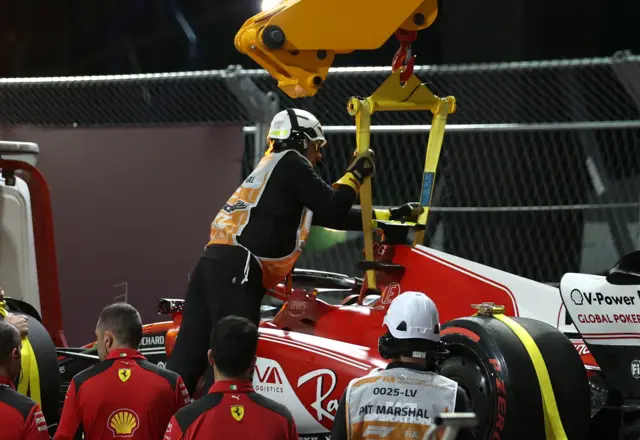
pixel 362 165
pixel 407 212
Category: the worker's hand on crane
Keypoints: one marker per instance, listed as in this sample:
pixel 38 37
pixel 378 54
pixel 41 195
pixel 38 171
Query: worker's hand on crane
pixel 363 165
pixel 409 212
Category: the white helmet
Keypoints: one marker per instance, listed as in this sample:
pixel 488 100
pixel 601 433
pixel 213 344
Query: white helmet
pixel 290 128
pixel 413 315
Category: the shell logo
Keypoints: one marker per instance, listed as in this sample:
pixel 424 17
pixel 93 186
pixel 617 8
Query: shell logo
pixel 123 423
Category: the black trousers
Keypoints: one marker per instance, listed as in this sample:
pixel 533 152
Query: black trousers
pixel 216 290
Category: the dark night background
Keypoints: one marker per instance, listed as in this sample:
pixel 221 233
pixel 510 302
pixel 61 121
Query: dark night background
pixel 73 37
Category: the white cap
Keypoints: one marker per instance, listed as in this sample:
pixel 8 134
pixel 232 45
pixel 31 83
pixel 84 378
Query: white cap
pixel 281 126
pixel 413 315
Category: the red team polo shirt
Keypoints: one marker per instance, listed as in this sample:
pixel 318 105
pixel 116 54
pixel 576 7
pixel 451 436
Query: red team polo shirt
pixel 123 397
pixel 232 410
pixel 20 416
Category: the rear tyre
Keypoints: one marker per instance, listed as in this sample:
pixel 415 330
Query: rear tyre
pixel 568 376
pixel 491 364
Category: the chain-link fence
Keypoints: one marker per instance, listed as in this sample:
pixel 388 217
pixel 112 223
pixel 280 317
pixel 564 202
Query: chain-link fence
pixel 540 169
pixel 539 173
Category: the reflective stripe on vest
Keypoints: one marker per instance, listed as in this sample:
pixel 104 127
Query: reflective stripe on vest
pixel 397 403
pixel 229 223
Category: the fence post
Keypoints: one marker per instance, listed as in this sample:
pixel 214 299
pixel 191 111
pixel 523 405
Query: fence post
pixel 260 106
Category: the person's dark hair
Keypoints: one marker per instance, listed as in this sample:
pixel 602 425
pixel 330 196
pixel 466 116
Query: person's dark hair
pixel 124 321
pixel 233 344
pixel 9 339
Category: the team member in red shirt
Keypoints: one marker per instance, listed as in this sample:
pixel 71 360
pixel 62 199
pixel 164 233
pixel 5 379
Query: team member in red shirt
pixel 232 409
pixel 124 396
pixel 20 417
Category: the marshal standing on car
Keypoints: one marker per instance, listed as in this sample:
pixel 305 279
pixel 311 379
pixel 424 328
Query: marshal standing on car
pixel 259 234
pixel 402 400
pixel 124 396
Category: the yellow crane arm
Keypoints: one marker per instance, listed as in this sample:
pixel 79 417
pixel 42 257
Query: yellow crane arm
pixel 297 40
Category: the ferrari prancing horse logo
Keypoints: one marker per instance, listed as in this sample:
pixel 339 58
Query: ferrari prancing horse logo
pixel 124 374
pixel 237 412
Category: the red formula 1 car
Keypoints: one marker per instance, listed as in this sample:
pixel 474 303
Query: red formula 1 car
pixel 537 361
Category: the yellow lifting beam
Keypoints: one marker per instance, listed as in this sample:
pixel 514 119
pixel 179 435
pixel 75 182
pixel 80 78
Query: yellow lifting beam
pixel 392 96
pixel 297 40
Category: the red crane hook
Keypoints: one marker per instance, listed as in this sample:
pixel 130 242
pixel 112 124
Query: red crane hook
pixel 404 58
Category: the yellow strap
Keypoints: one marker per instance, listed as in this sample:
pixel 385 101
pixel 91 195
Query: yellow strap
pixel 382 214
pixel 350 180
pixel 431 160
pixel 553 424
pixel 30 383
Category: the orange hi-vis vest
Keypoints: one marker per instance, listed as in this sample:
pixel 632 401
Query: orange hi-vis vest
pixel 229 223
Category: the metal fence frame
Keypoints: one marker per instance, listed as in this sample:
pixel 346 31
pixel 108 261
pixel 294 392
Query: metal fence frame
pixel 247 101
pixel 627 70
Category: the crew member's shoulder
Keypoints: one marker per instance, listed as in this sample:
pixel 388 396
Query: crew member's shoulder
pixel 292 158
pixel 168 375
pixel 91 372
pixel 373 376
pixel 190 413
pixel 270 404
pixel 21 403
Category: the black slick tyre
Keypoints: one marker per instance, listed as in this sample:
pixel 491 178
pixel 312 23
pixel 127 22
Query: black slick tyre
pixel 492 365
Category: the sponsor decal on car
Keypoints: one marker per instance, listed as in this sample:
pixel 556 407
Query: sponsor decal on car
pixel 152 346
pixel 635 369
pixel 390 292
pixel 297 308
pixel 592 298
pixel 582 349
pixel 152 340
pixel 501 401
pixel 268 378
pixel 603 313
pixel 323 406
pixel 609 318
